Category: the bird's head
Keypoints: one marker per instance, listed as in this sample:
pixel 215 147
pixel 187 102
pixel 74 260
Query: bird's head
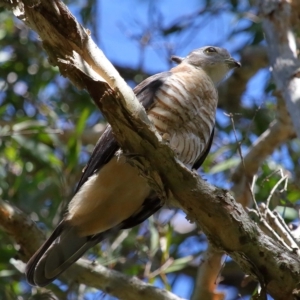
pixel 215 61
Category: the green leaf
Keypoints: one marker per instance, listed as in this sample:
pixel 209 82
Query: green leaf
pixel 287 212
pixel 225 165
pixel 82 121
pixel 154 237
pixel 169 236
pixel 29 124
pixel 179 264
pixel 11 153
pixel 74 143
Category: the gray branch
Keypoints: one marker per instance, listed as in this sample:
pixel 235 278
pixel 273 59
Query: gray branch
pixel 282 50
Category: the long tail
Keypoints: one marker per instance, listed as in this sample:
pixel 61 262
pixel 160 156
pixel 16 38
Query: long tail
pixel 60 251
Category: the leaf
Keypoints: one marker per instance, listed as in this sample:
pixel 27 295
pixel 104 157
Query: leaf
pixel 225 165
pixel 7 273
pixel 29 124
pixel 154 237
pixel 11 153
pixel 179 264
pixel 169 235
pixel 287 212
pixel 82 121
pixel 74 143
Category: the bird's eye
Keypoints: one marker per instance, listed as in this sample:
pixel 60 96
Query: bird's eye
pixel 210 50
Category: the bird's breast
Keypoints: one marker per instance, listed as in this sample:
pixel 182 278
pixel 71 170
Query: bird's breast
pixel 184 110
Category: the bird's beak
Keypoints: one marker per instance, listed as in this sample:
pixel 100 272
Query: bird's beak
pixel 232 63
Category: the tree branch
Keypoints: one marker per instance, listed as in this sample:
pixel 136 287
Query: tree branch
pixel 25 232
pixel 226 224
pixel 88 136
pixel 21 228
pixel 282 50
pixel 207 276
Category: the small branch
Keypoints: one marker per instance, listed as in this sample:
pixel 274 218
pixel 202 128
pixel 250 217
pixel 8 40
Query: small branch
pixel 249 186
pixel 278 227
pixel 88 136
pixel 284 178
pixel 161 269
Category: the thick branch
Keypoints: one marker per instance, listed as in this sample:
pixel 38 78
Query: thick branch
pixel 207 276
pixel 282 50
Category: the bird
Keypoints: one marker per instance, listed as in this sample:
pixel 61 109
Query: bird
pixel 111 194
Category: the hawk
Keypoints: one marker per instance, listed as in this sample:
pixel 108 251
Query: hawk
pixel 111 195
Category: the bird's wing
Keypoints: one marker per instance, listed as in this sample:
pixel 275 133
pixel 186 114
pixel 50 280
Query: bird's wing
pixel 203 156
pixel 107 145
pixel 104 150
pixel 146 90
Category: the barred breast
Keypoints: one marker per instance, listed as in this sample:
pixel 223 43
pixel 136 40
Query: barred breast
pixel 184 111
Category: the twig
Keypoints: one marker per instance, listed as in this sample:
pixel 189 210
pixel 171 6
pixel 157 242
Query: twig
pixel 162 268
pixel 270 230
pixel 284 178
pixel 29 132
pixel 285 232
pixel 248 186
pixel 270 175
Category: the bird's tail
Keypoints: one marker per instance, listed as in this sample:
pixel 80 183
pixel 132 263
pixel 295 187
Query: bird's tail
pixel 60 250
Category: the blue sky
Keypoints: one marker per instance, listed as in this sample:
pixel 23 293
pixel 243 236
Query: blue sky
pixel 119 21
